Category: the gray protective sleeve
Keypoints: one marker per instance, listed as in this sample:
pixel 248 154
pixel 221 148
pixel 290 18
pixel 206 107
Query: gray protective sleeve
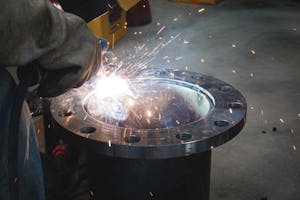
pixel 36 30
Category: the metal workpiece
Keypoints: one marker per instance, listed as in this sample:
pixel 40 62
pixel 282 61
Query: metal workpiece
pixel 169 114
pixel 184 178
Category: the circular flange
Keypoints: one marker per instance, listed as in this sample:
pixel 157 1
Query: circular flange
pixel 218 110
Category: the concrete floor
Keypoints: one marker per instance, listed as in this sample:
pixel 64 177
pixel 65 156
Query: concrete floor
pixel 254 46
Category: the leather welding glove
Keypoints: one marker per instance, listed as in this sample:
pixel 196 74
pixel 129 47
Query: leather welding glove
pixel 58 81
pixel 62 44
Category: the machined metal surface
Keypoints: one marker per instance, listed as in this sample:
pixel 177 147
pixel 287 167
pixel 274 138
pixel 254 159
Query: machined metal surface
pixel 177 113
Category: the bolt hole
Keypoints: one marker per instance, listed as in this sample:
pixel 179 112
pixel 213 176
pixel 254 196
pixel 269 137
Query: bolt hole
pixel 65 113
pixel 221 123
pixel 184 136
pixel 132 139
pixel 235 105
pixel 87 130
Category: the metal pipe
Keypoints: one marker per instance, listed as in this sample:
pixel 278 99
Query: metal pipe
pixel 161 147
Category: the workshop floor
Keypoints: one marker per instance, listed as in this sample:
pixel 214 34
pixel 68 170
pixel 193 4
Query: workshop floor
pixel 254 46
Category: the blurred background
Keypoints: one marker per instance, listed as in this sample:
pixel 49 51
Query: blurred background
pixel 253 45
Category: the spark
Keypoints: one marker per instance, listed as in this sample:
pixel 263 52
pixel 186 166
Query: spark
pixel 155 49
pixel 201 10
pixel 109 143
pixel 186 68
pixel 160 30
pixel 252 107
pixel 151 194
pixel 49 126
pixel 298 114
pixel 177 122
pixel 92 193
pixel 251 74
pixel 294 147
pixel 135 33
pixel 85 117
pixel 230 110
pixel 281 120
pixel 141 47
pixel 172 75
pixel 202 60
pixel 185 42
pixel 175 19
pixel 233 71
pixel 253 52
pixel 140 32
pixel 111 86
pixel 148 121
pixel 130 102
pixel 149 113
pixel 172 39
pixel 144 6
pixel 158 24
pixel 233 45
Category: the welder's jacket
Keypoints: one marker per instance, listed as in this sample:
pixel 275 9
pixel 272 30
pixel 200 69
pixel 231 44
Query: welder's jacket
pixel 30 179
pixel 36 30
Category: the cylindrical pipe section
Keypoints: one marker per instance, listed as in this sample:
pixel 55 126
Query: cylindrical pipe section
pixel 183 178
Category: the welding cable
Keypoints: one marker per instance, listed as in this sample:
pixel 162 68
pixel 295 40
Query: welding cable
pixel 29 75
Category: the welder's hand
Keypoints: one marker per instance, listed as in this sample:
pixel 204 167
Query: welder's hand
pixel 57 82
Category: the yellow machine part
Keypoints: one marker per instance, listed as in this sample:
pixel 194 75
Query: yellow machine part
pixel 102 28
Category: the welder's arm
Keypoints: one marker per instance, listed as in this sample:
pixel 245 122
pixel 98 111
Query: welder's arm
pixel 60 42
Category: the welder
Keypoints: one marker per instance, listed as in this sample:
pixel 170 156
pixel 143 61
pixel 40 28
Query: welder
pixel 52 48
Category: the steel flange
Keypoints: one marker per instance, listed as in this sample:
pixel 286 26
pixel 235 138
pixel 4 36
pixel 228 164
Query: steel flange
pixel 175 114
